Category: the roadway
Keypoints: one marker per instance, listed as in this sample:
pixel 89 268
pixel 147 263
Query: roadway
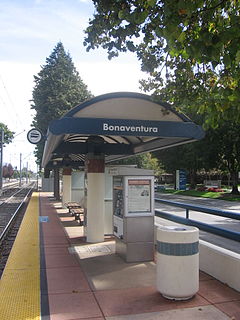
pixel 217 221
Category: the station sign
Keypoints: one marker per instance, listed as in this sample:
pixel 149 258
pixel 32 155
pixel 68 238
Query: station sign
pixel 181 179
pixel 120 127
pixel 34 136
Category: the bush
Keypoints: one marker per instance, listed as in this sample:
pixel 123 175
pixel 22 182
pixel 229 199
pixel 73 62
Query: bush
pixel 202 189
pixel 210 189
pixel 213 189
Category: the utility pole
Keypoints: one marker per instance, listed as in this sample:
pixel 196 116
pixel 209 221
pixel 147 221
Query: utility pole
pixel 20 171
pixel 37 177
pixel 27 173
pixel 1 160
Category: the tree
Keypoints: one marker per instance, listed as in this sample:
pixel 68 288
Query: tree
pixel 227 141
pixel 190 49
pixel 219 149
pixel 149 161
pixel 192 157
pixel 145 161
pixel 58 88
pixel 182 41
pixel 16 174
pixel 8 135
pixel 7 171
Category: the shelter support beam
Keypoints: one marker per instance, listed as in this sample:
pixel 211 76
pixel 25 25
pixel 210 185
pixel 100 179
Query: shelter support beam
pixel 95 165
pixel 67 186
pixel 46 173
pixel 56 184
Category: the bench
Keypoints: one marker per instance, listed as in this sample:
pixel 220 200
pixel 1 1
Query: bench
pixel 78 213
pixel 76 210
pixel 72 205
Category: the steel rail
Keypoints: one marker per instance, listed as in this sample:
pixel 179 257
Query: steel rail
pixel 11 185
pixel 5 230
pixel 8 199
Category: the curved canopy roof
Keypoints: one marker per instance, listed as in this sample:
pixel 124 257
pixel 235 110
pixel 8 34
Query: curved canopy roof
pixel 119 125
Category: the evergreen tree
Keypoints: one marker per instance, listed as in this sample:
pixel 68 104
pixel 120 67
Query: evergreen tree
pixel 58 88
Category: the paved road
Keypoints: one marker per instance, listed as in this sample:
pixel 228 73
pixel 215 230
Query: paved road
pixel 221 222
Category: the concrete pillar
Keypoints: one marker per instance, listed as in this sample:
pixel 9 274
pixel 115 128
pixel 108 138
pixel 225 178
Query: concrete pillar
pixel 66 186
pixel 95 197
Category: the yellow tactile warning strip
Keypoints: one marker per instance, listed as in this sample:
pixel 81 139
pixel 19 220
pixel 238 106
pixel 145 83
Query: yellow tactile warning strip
pixel 20 282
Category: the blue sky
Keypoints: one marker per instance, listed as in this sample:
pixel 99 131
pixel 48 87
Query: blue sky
pixel 29 30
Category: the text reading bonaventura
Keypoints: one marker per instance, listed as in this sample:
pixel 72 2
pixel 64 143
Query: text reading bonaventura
pixel 107 127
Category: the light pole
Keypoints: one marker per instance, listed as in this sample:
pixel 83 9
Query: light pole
pixel 20 171
pixel 1 160
pixel 27 173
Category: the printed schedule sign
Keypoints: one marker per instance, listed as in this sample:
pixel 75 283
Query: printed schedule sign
pixel 139 196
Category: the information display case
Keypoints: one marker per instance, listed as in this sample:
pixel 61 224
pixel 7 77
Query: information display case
pixel 133 217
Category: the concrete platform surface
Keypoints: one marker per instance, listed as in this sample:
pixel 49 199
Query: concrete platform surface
pixel 89 281
pixel 203 313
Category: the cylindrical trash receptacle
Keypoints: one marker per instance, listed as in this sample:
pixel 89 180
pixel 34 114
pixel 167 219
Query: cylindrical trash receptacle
pixel 177 261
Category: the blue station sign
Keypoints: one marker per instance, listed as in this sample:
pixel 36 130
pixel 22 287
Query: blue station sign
pixel 124 127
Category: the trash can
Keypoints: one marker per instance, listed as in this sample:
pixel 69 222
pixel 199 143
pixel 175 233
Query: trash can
pixel 177 261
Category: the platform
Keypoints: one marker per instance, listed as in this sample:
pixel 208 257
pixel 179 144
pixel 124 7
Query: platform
pixel 53 274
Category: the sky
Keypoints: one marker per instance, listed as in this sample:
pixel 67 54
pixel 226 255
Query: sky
pixel 29 31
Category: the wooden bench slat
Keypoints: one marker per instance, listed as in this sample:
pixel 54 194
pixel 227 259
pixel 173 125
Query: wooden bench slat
pixel 77 211
pixel 73 205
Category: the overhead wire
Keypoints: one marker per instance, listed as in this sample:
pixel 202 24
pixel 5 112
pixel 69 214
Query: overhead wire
pixel 7 102
pixel 17 116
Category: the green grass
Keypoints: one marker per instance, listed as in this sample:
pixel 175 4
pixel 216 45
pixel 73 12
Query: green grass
pixel 205 194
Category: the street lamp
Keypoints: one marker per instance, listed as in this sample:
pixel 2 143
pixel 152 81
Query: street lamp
pixel 1 159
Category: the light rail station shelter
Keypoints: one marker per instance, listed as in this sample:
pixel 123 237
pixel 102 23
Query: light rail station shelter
pixel 107 128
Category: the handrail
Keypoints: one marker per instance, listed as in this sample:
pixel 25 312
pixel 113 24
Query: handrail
pixel 233 235
pixel 216 212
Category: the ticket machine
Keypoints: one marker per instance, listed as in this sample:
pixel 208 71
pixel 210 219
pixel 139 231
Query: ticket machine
pixel 133 217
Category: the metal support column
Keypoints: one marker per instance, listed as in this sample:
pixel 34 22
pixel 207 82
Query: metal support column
pixel 56 184
pixel 1 160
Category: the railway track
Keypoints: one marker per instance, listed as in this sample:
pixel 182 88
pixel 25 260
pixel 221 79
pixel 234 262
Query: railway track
pixel 7 191
pixel 13 203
